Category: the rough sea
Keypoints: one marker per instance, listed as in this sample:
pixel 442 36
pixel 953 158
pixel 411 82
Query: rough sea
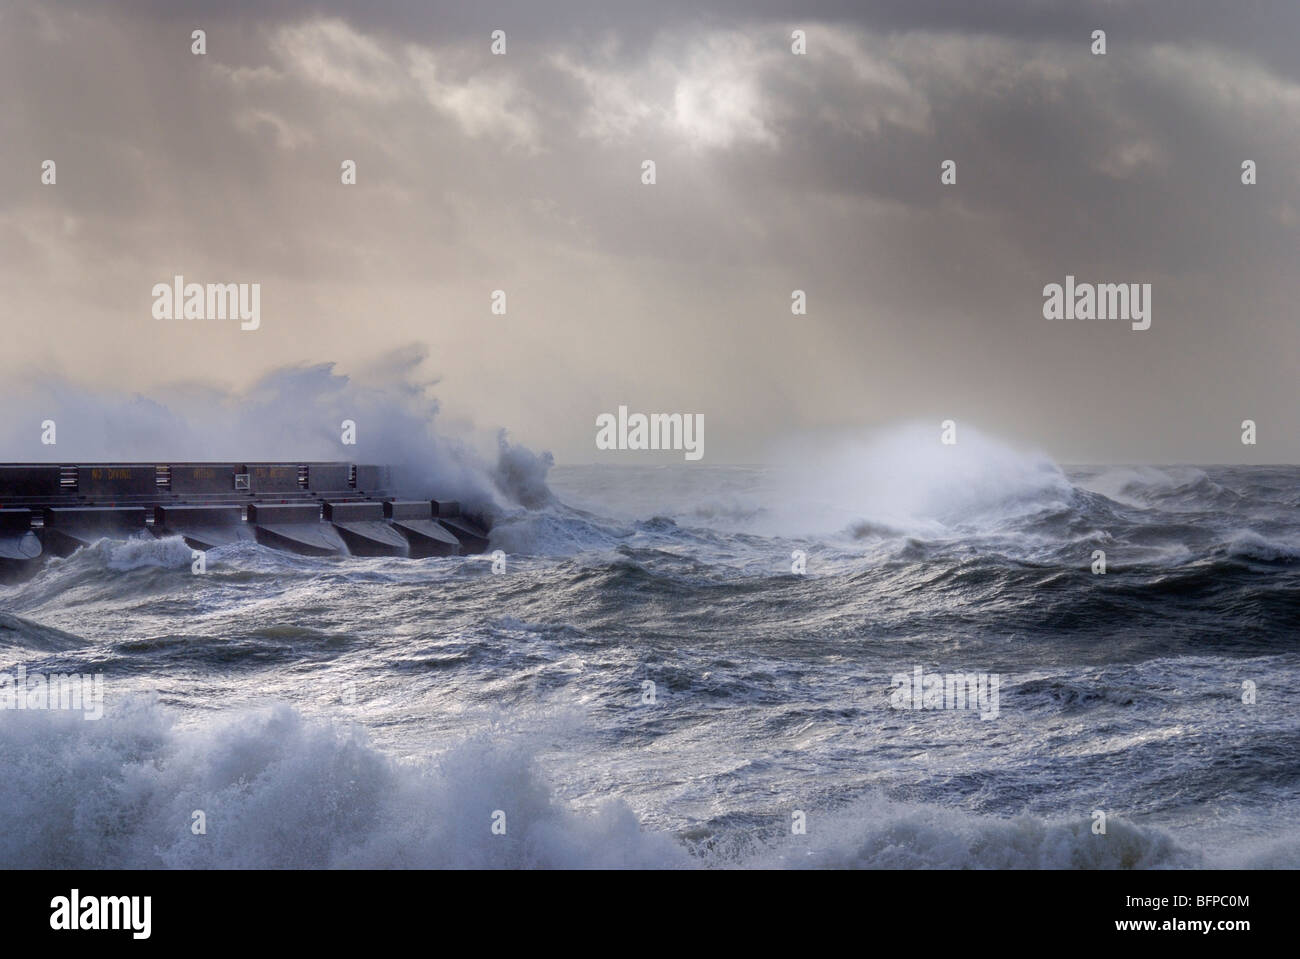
pixel 643 679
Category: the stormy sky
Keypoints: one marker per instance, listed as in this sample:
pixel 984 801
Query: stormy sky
pixel 775 172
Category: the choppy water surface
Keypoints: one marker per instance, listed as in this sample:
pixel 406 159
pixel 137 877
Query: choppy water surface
pixel 377 712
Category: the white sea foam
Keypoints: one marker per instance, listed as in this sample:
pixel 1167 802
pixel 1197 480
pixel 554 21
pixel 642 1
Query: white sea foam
pixel 277 790
pixel 1252 545
pixel 280 790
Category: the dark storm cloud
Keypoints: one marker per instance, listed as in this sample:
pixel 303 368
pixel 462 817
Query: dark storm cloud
pixel 775 172
pixel 1265 30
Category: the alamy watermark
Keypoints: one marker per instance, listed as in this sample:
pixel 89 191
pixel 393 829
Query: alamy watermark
pixel 179 300
pixel 921 690
pixel 80 691
pixel 75 912
pixel 1100 301
pixel 654 431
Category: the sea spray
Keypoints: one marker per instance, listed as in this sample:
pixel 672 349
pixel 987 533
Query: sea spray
pixel 291 413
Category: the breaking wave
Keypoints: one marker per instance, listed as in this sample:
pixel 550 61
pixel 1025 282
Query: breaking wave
pixel 277 790
pixel 291 413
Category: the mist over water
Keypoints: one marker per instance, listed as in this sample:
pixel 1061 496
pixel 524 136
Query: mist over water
pixel 349 712
pixel 903 478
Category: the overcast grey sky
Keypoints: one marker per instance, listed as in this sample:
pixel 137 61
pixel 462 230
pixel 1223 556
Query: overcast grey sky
pixel 775 172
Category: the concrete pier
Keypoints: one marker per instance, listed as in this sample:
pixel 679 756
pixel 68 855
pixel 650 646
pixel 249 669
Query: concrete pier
pixel 316 508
